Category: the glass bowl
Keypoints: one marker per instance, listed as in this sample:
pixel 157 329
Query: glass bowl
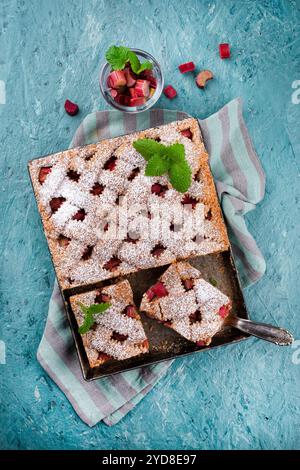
pixel 105 71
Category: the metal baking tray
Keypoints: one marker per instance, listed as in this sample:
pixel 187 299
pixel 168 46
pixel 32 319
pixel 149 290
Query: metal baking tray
pixel 166 344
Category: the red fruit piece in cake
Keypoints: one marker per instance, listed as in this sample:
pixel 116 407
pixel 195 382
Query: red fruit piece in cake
pixel 115 334
pixel 157 250
pixel 130 80
pixel 188 284
pixel 112 264
pixel 44 172
pixel 187 133
pixel 142 88
pixel 116 79
pixel 110 164
pixel 80 215
pixel 55 203
pixel 188 200
pixel 159 189
pixel 71 108
pixel 187 67
pixel 157 290
pixel 131 312
pixel 97 189
pixel 197 313
pixel 203 77
pixel 224 50
pixel 73 175
pixel 170 92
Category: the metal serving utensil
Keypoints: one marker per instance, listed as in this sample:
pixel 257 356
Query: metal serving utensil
pixel 271 333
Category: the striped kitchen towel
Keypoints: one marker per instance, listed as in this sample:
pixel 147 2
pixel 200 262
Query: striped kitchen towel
pixel 240 184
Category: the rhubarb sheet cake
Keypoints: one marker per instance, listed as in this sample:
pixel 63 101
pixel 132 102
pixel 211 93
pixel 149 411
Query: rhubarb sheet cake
pixel 117 333
pixel 82 194
pixel 184 301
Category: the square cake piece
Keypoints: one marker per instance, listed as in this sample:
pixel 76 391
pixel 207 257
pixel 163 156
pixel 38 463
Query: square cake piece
pixel 117 333
pixel 185 302
pixel 82 195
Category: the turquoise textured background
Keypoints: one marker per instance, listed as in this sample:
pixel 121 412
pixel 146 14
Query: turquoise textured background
pixel 237 397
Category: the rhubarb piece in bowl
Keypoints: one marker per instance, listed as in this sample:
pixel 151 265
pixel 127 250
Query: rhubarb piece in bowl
pixel 130 89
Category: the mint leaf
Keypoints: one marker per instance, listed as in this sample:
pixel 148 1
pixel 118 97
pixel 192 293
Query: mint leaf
pixel 117 57
pixel 134 62
pixel 156 166
pixel 89 313
pixel 144 66
pixel 180 176
pixel 213 281
pixel 149 147
pixel 176 153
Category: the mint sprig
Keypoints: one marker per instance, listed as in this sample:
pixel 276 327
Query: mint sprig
pixel 166 159
pixel 119 56
pixel 89 313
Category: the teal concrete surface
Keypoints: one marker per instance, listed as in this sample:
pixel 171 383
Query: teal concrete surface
pixel 237 397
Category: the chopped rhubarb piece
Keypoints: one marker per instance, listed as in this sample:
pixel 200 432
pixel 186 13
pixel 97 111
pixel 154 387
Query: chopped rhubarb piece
pixel 73 175
pixel 80 215
pixel 208 215
pixel 122 99
pixel 112 264
pixel 55 203
pixel 187 67
pixel 224 311
pixel 187 133
pixel 150 294
pixel 133 93
pixel 224 50
pixel 130 80
pixel 87 253
pixel 200 343
pixel 145 344
pixel 137 101
pixel 118 336
pixel 44 172
pixel 188 284
pixel 159 290
pixel 203 77
pixel 158 189
pixel 195 317
pixel 116 79
pixel 63 241
pixel 103 357
pixel 110 164
pixel 170 92
pixel 97 189
pixel 142 88
pixel 188 200
pixel 147 74
pixel 131 312
pixel 153 82
pixel 133 174
pixel 102 297
pixel 157 250
pixel 71 108
pixel 113 93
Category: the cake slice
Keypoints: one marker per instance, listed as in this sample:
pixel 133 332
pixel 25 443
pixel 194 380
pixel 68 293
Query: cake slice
pixel 118 332
pixel 184 301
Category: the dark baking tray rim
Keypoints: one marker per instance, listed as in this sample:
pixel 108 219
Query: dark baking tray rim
pixel 90 374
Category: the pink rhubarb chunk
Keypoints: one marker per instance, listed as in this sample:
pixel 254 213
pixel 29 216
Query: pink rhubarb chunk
pixel 224 50
pixel 71 108
pixel 170 92
pixel 187 67
pixel 224 311
pixel 130 80
pixel 116 79
pixel 142 88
